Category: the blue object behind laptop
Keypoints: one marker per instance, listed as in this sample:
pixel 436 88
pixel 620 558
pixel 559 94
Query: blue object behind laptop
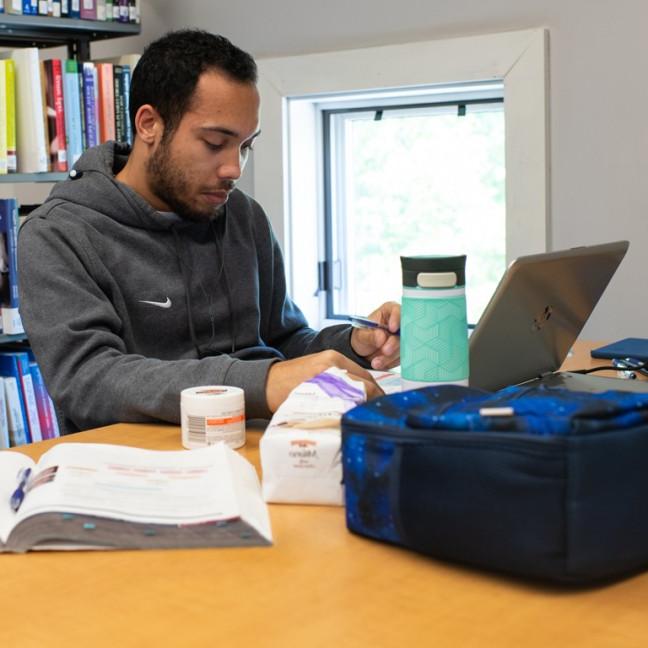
pixel 627 348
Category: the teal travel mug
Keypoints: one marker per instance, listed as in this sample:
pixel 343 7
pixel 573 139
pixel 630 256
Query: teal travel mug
pixel 434 327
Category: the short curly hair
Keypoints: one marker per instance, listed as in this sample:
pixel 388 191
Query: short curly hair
pixel 168 71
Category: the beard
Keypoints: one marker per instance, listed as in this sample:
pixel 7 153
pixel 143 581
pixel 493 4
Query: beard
pixel 170 182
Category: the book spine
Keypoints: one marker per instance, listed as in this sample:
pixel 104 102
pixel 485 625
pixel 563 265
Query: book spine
pixel 11 322
pixel 42 7
pixel 126 79
pixel 75 8
pixel 9 229
pixel 90 105
pixel 65 8
pixel 5 206
pixel 31 407
pixel 120 125
pixel 46 117
pixel 56 8
pixel 5 440
pixel 123 11
pixel 10 76
pixel 56 431
pixel 106 101
pixel 84 136
pixel 101 9
pixel 72 104
pixel 30 128
pixel 14 7
pixel 30 7
pixel 55 115
pixel 3 118
pixel 16 418
pixel 88 10
pixel 42 402
pixel 10 368
pixel 61 162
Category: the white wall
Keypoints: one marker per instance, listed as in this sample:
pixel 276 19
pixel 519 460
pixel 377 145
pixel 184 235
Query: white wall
pixel 599 137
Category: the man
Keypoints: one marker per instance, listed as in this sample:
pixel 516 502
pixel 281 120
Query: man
pixel 147 272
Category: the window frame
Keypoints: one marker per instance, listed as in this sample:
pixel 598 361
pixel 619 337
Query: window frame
pixel 288 178
pixel 329 272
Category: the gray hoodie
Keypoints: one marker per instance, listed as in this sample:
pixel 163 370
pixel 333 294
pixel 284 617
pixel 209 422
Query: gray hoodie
pixel 126 306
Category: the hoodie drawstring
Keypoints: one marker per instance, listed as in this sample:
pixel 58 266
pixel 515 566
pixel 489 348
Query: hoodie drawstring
pixel 186 280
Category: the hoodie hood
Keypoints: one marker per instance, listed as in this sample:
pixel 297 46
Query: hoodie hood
pixel 92 184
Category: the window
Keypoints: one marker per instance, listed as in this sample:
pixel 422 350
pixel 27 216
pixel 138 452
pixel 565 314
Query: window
pixel 288 174
pixel 418 173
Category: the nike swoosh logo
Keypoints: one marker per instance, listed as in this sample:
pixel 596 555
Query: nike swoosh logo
pixel 164 304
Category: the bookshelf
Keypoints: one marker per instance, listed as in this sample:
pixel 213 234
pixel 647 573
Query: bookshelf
pixel 18 31
pixel 45 31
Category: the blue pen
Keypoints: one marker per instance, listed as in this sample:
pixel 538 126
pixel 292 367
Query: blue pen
pixel 365 322
pixel 18 495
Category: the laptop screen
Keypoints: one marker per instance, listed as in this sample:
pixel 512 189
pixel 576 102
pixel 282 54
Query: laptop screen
pixel 537 311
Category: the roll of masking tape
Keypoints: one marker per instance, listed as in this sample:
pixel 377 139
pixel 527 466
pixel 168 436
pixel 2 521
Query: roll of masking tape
pixel 211 414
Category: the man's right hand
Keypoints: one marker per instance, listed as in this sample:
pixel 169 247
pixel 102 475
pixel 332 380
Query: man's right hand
pixel 284 376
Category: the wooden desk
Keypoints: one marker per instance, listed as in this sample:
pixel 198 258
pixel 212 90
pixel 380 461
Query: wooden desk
pixel 318 585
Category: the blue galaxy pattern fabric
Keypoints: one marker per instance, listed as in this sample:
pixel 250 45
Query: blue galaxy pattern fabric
pixel 537 410
pixel 368 487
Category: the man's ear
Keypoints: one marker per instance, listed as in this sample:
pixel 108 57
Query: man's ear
pixel 148 124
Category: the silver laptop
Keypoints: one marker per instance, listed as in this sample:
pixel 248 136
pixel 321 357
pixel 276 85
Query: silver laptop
pixel 535 315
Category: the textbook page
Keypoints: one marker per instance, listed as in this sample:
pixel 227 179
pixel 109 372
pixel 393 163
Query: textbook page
pixel 182 491
pixel 11 466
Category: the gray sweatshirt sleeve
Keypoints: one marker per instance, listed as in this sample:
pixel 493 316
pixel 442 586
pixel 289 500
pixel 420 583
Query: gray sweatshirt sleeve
pixel 74 329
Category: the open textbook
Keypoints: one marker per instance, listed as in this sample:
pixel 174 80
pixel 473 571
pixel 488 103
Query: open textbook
pixel 96 496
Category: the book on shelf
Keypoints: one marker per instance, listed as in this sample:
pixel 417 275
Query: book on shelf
pixel 120 103
pixel 105 101
pixel 31 143
pixel 43 80
pixel 99 496
pixel 89 75
pixel 10 115
pixel 4 169
pixel 30 7
pixel 15 401
pixel 16 363
pixel 5 439
pixel 7 117
pixel 88 9
pixel 75 8
pixel 46 412
pixel 123 14
pixel 55 114
pixel 14 6
pixel 16 417
pixel 72 111
pixel 9 224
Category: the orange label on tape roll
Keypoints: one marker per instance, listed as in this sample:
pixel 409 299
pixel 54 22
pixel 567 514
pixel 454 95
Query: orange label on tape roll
pixel 225 421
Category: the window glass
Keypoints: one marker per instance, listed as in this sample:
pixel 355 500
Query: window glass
pixel 407 180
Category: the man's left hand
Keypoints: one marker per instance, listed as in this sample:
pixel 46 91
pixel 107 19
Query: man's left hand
pixel 381 346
